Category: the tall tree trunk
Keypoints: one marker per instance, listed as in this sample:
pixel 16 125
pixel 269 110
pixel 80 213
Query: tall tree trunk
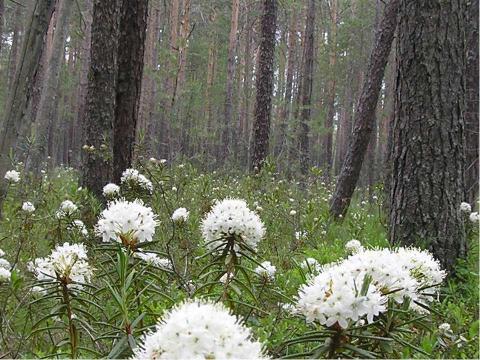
pixel 21 90
pixel 2 12
pixel 331 92
pixel 287 101
pixel 131 46
pixel 84 57
pixel 232 45
pixel 307 81
pixel 100 101
pixel 13 56
pixel 49 100
pixel 471 113
pixel 427 183
pixel 145 124
pixel 365 111
pixel 212 60
pixel 264 85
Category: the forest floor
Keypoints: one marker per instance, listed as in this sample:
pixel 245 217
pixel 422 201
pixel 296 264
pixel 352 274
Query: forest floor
pixel 295 216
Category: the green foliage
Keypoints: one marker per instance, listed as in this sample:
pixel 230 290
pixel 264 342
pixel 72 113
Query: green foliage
pixel 127 296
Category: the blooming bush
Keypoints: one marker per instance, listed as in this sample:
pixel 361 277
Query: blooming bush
pixel 143 277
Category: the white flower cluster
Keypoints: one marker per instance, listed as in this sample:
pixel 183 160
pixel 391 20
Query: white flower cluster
pixel 5 273
pixel 28 207
pixel 12 176
pixel 199 330
pixel 232 219
pixel 465 207
pixel 353 246
pixel 125 218
pixel 154 259
pixel 67 208
pixel 78 225
pixel 111 190
pixel 333 296
pixel 311 265
pixel 267 270
pixel 180 215
pixel 132 178
pixel 66 263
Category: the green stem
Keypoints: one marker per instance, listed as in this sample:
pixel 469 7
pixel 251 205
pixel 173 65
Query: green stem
pixel 71 326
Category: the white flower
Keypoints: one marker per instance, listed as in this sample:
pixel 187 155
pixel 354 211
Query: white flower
pixel 79 226
pixel 199 330
pixel 179 215
pixel 2 253
pixel 124 219
pixel 267 270
pixel 333 297
pixel 474 218
pixel 174 188
pixel 293 212
pixel 163 161
pixel 132 178
pixel 311 264
pixel 299 235
pixel 67 208
pixel 12 176
pixel 154 259
pixel 354 246
pixel 4 263
pixel 66 263
pixel 27 206
pixel 445 327
pixel 5 275
pixel 111 190
pixel 231 219
pixel 465 207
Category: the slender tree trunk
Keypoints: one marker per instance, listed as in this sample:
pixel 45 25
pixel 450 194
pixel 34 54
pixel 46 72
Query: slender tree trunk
pixel 49 100
pixel 212 60
pixel 471 113
pixel 427 184
pixel 13 56
pixel 264 85
pixel 84 57
pixel 331 92
pixel 232 45
pixel 131 46
pixel 2 12
pixel 100 101
pixel 365 111
pixel 287 101
pixel 21 90
pixel 307 81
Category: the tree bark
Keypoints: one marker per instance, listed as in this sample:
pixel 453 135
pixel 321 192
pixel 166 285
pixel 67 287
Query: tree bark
pixel 427 183
pixel 365 112
pixel 21 90
pixel 49 100
pixel 471 113
pixel 307 81
pixel 131 46
pixel 264 85
pixel 100 101
pixel 232 45
pixel 331 93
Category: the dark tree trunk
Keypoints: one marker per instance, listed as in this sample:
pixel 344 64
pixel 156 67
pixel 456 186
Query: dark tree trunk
pixel 13 56
pixel 307 81
pixel 21 90
pixel 100 101
pixel 427 184
pixel 131 45
pixel 264 85
pixel 2 12
pixel 47 107
pixel 471 113
pixel 365 112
